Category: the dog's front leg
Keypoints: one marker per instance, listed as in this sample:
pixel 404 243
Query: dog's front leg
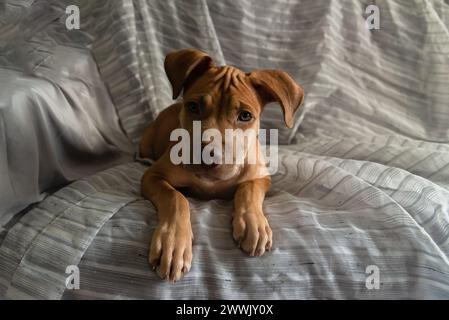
pixel 171 245
pixel 251 229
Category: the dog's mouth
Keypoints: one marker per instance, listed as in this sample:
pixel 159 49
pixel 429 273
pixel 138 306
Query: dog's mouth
pixel 203 167
pixel 209 166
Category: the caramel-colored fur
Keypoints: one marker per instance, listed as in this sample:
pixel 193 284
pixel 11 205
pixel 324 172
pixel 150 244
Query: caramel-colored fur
pixel 221 93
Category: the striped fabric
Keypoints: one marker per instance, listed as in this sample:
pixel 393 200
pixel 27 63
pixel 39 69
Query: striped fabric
pixel 362 184
pixel 331 219
pixel 324 45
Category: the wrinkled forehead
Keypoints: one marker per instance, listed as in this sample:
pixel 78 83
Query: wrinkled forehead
pixel 226 85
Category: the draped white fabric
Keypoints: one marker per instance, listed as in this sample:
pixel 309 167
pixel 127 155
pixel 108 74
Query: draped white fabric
pixel 363 181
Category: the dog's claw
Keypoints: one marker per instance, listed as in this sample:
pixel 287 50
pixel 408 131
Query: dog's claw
pixel 154 264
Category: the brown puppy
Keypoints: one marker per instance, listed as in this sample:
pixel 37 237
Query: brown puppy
pixel 221 98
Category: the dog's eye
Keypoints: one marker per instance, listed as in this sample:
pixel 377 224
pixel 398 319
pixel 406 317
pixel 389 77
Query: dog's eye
pixel 193 107
pixel 245 116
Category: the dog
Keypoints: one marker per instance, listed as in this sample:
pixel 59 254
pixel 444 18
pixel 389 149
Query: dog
pixel 221 97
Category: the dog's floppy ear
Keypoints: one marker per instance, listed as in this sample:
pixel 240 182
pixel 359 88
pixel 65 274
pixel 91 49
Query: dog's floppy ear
pixel 183 66
pixel 274 85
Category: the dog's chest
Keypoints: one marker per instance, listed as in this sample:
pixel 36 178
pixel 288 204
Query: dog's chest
pixel 209 188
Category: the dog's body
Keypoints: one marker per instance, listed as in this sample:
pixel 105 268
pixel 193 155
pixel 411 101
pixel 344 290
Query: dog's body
pixel 221 98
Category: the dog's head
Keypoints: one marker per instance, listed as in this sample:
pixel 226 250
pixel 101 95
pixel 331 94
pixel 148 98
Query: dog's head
pixel 225 97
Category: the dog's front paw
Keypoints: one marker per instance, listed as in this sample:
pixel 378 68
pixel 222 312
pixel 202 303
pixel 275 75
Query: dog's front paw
pixel 171 249
pixel 253 233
